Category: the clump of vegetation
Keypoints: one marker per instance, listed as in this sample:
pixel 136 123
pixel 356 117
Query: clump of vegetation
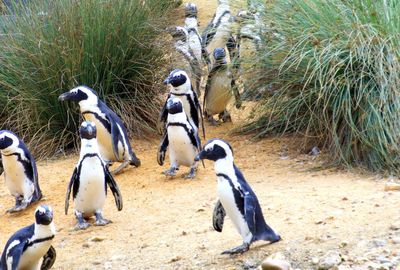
pixel 330 70
pixel 49 47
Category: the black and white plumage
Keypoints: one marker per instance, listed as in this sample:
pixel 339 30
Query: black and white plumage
pixel 89 181
pixel 181 88
pixel 236 198
pixel 218 32
pixel 187 47
pixel 181 138
pixel 220 88
pixel 194 38
pixel 20 172
pixel 30 247
pixel 112 135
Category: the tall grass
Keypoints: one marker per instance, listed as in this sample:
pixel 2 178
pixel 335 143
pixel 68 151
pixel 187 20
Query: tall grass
pixel 330 70
pixel 48 47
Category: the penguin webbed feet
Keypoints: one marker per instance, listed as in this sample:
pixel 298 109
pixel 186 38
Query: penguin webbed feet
pixel 225 116
pixel 20 204
pixel 191 174
pixel 171 172
pixel 212 121
pixel 82 223
pixel 100 221
pixel 237 250
pixel 120 168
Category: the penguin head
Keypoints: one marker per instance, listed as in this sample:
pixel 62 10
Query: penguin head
pixel 8 140
pixel 80 93
pixel 219 54
pixel 178 79
pixel 174 105
pixel 87 130
pixel 215 149
pixel 190 10
pixel 178 33
pixel 44 215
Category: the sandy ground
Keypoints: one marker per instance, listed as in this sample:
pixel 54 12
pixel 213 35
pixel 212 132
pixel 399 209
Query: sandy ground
pixel 166 223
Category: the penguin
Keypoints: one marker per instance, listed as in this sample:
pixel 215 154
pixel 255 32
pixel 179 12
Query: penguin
pixel 236 198
pixel 30 247
pixel 181 138
pixel 112 136
pixel 89 181
pixel 185 46
pixel 181 88
pixel 218 32
pixel 194 38
pixel 20 172
pixel 219 89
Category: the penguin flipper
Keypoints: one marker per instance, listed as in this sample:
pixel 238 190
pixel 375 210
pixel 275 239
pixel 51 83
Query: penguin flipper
pixel 162 149
pixel 114 188
pixel 199 111
pixel 249 212
pixel 16 254
pixel 218 216
pixel 116 137
pixel 71 183
pixel 48 259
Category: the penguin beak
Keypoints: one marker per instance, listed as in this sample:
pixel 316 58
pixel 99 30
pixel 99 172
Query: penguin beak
pixel 200 156
pixel 167 81
pixel 65 96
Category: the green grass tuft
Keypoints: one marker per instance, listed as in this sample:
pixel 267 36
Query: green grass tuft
pixel 49 47
pixel 330 70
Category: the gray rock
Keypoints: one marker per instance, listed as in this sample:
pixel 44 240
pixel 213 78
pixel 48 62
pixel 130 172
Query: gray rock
pixel 275 264
pixel 331 259
pixel 379 242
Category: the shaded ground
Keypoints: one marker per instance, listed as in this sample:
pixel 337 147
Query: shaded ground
pixel 166 223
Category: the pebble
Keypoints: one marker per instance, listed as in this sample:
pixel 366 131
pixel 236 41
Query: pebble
pixel 86 245
pixel 396 240
pixel 97 239
pixel 275 264
pixel 331 259
pixel 379 242
pixel 391 186
pixel 118 257
pixel 175 259
pixel 315 260
pixel 395 226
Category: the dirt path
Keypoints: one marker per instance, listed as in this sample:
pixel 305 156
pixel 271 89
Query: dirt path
pixel 166 223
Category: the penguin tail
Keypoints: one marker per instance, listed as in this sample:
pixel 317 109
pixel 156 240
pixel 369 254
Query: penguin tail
pixel 268 235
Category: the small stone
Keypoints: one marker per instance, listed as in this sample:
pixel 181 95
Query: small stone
pixel 96 263
pixel 175 259
pixel 86 245
pixel 395 226
pixel 108 265
pixel 344 244
pixel 396 240
pixel 248 265
pixel 391 186
pixel 184 233
pixel 97 239
pixel 275 264
pixel 315 260
pixel 379 243
pixel 331 259
pixel 315 151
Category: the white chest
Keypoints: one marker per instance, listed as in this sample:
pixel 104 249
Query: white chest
pixel 91 194
pixel 16 180
pixel 227 198
pixel 181 149
pixel 219 94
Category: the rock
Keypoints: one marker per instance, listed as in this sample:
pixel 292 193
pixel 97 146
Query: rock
pixel 86 245
pixel 391 186
pixel 395 226
pixel 379 242
pixel 97 239
pixel 175 259
pixel 96 263
pixel 315 260
pixel 344 244
pixel 275 264
pixel 396 240
pixel 331 259
pixel 314 151
pixel 248 265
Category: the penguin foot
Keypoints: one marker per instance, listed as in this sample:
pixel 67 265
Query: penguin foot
pixel 120 168
pixel 212 121
pixel 225 116
pixel 102 222
pixel 170 172
pixel 240 249
pixel 19 206
pixel 135 162
pixel 82 226
pixel 191 174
